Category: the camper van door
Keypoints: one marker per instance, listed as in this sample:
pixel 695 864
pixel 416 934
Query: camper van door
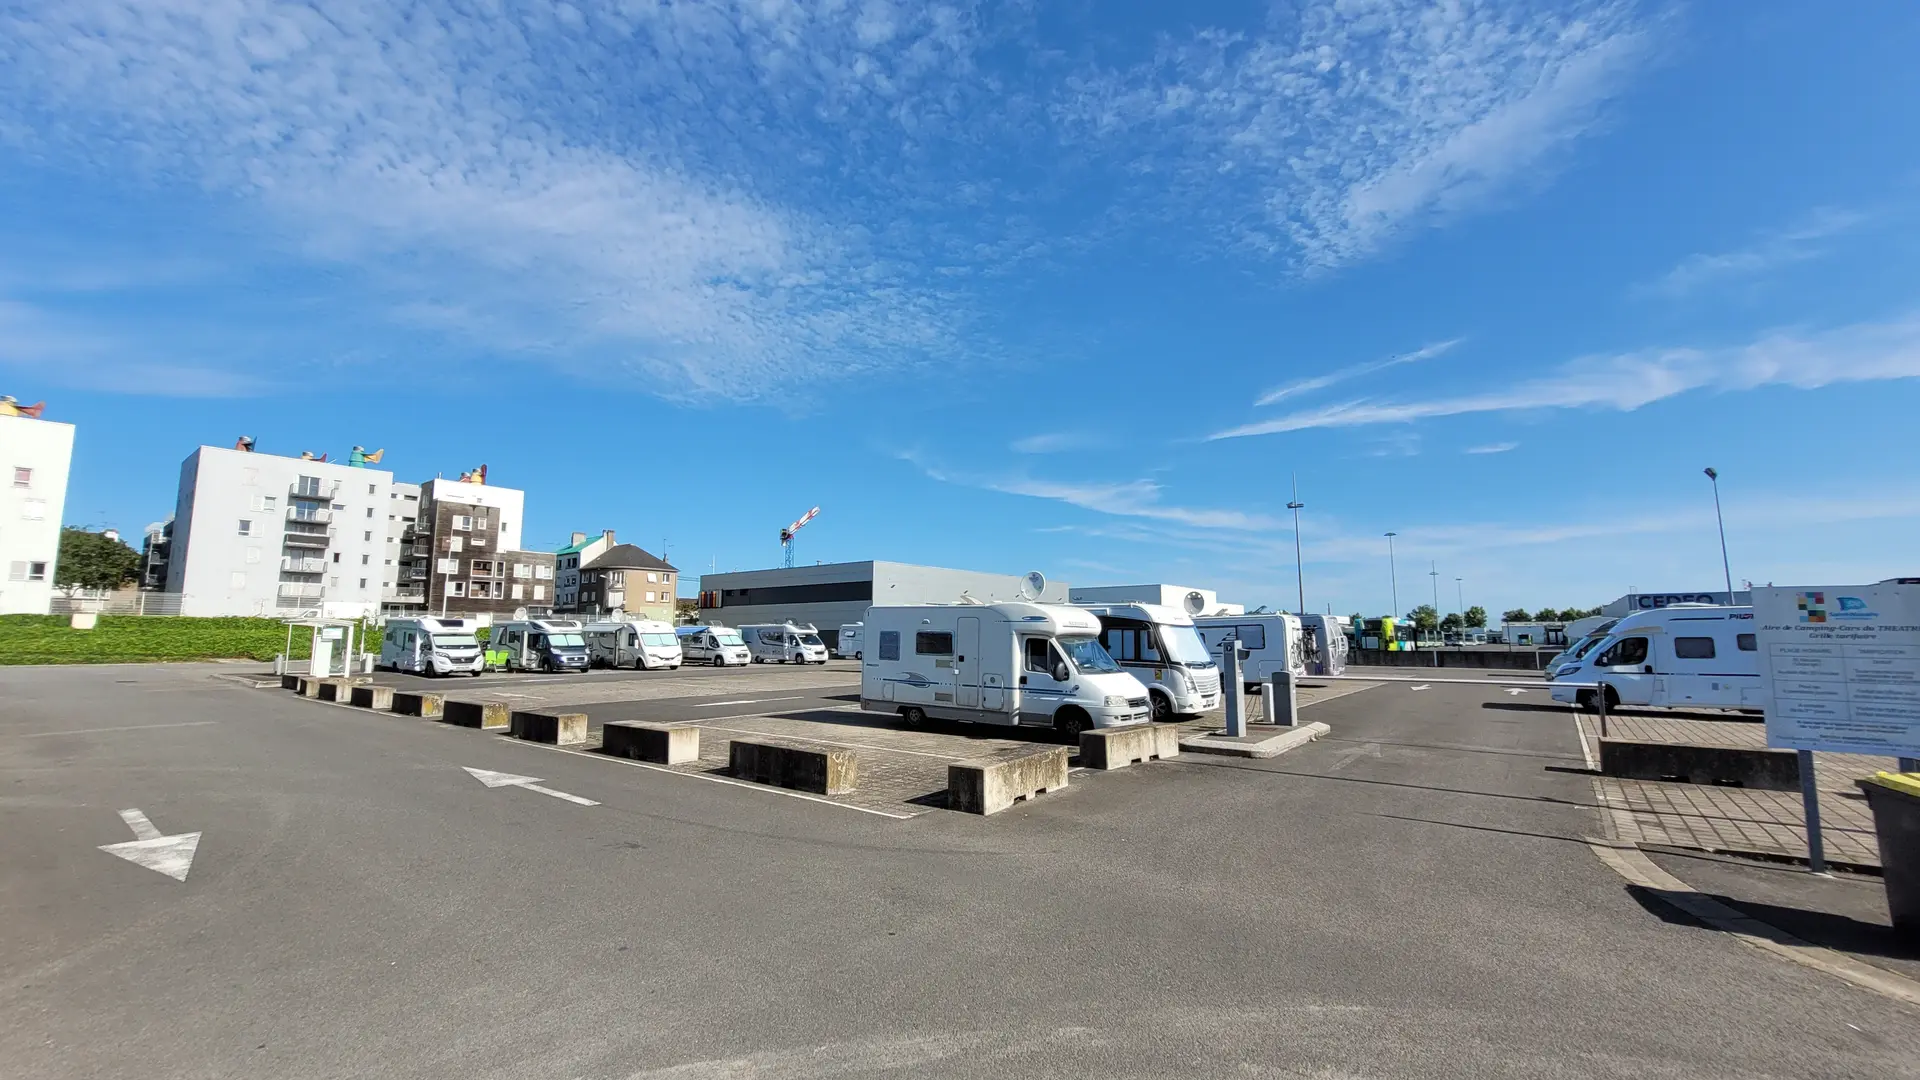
pixel 1626 664
pixel 966 662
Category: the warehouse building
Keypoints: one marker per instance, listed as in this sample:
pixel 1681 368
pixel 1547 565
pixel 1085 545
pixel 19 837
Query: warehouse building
pixel 1178 597
pixel 832 594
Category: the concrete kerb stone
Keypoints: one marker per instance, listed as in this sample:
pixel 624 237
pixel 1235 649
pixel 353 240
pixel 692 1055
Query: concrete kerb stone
pixel 1257 743
pixel 308 686
pixel 823 771
pixel 373 697
pixel 485 715
pixel 555 729
pixel 290 682
pixel 661 744
pixel 993 782
pixel 1749 767
pixel 1119 747
pixel 409 703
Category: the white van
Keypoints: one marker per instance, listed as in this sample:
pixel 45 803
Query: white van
pixel 784 643
pixel 1013 663
pixel 849 643
pixel 1160 647
pixel 431 647
pixel 1273 643
pixel 538 645
pixel 641 644
pixel 1679 656
pixel 720 646
pixel 1323 644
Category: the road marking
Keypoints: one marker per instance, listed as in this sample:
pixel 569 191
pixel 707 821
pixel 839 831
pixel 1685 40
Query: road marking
pixel 745 701
pixel 531 783
pixel 729 781
pixel 169 855
pixel 1422 686
pixel 1348 757
pixel 130 727
pixel 1512 690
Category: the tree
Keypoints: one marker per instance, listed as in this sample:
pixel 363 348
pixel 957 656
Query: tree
pixel 1425 618
pixel 1452 622
pixel 1476 616
pixel 1518 614
pixel 90 560
pixel 1545 614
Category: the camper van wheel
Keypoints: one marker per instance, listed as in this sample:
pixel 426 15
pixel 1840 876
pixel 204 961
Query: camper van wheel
pixel 1070 722
pixel 1162 708
pixel 719 661
pixel 913 717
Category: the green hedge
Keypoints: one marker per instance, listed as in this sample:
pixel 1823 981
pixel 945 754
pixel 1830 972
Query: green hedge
pixel 119 639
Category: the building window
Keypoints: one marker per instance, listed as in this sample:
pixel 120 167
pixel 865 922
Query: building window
pixel 455 543
pixel 22 476
pixel 334 581
pixel 518 590
pixel 649 596
pixel 652 577
pixel 482 568
pixel 363 583
pixel 371 491
pixel 479 541
pixel 264 503
pixel 366 560
pixel 539 592
pixel 366 537
pixel 369 511
pixel 33 510
pixel 237 580
pixel 246 527
pixel 456 588
pixel 462 523
pixel 449 566
pixel 253 555
pixel 336 556
pixel 479 521
pixel 543 572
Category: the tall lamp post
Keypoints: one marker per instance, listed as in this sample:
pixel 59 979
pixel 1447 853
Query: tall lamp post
pixel 1725 566
pixel 1434 573
pixel 1393 575
pixel 1299 575
pixel 1460 594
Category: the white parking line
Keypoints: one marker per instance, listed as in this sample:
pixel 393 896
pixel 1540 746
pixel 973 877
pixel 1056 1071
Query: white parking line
pixel 730 782
pixel 131 727
pixel 745 701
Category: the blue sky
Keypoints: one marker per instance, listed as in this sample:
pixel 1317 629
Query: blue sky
pixel 1005 286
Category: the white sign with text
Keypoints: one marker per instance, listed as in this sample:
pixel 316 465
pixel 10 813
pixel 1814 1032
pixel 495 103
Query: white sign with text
pixel 1840 667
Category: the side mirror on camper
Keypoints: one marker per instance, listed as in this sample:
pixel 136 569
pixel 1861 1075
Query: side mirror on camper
pixel 1060 671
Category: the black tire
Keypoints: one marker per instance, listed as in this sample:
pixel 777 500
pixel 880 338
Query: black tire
pixel 1162 707
pixel 1583 700
pixel 1613 699
pixel 476 674
pixel 857 656
pixel 719 661
pixel 913 716
pixel 1070 721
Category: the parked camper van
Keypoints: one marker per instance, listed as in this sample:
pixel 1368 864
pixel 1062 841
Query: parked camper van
pixel 1160 647
pixel 539 645
pixel 1011 663
pixel 720 646
pixel 784 643
pixel 1273 643
pixel 849 642
pixel 1323 644
pixel 431 647
pixel 636 643
pixel 1596 631
pixel 1679 656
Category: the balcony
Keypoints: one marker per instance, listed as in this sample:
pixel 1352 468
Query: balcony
pixel 311 536
pixel 309 514
pixel 292 565
pixel 322 490
pixel 301 592
pixel 416 573
pixel 404 597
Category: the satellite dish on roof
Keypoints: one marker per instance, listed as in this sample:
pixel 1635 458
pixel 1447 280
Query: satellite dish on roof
pixel 1033 586
pixel 520 614
pixel 1195 603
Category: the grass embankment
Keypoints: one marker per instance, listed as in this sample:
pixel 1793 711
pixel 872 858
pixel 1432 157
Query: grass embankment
pixel 125 639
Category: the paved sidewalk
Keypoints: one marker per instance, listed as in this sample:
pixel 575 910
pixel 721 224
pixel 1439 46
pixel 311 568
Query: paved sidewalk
pixel 1706 817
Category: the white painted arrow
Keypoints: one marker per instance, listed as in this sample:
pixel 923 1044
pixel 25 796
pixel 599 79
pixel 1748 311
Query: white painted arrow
pixel 531 783
pixel 1422 686
pixel 1349 756
pixel 170 855
pixel 1512 690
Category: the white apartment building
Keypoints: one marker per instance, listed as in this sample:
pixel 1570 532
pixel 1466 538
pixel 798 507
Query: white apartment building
pixel 403 586
pixel 37 455
pixel 259 534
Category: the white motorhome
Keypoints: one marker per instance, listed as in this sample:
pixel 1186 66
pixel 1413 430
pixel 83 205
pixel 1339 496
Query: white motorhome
pixel 431 647
pixel 1010 663
pixel 1593 631
pixel 641 644
pixel 849 642
pixel 1273 643
pixel 538 645
pixel 1160 647
pixel 720 646
pixel 1679 656
pixel 784 643
pixel 1324 644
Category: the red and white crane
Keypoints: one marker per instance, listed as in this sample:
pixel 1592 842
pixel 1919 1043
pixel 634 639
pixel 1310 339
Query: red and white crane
pixel 786 535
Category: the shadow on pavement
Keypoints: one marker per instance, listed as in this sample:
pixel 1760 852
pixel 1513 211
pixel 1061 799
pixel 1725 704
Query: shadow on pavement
pixel 1841 933
pixel 1227 763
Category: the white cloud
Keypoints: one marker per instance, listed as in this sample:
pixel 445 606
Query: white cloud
pixel 1126 498
pixel 1864 352
pixel 1347 122
pixel 1770 252
pixel 1493 448
pixel 1321 382
pixel 1052 442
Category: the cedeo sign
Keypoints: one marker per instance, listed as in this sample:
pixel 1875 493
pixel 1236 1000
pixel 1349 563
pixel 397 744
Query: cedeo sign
pixel 1652 601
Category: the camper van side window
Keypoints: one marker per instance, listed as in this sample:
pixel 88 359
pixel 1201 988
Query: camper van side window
pixel 1631 650
pixel 889 644
pixel 1255 636
pixel 1746 643
pixel 933 643
pixel 1693 648
pixel 1037 656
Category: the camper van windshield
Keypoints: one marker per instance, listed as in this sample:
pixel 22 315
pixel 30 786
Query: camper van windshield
pixel 455 641
pixel 810 639
pixel 657 641
pixel 1182 645
pixel 728 637
pixel 574 640
pixel 1087 655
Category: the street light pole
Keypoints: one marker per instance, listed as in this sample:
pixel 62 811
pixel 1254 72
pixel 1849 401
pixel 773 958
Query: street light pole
pixel 1725 566
pixel 1460 594
pixel 1299 575
pixel 1393 575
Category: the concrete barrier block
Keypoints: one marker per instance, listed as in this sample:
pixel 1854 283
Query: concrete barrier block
pixel 408 703
pixel 373 697
pixel 290 682
pixel 557 729
pixel 993 782
pixel 1119 747
pixel 485 715
pixel 821 770
pixel 662 744
pixel 1766 770
pixel 309 686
